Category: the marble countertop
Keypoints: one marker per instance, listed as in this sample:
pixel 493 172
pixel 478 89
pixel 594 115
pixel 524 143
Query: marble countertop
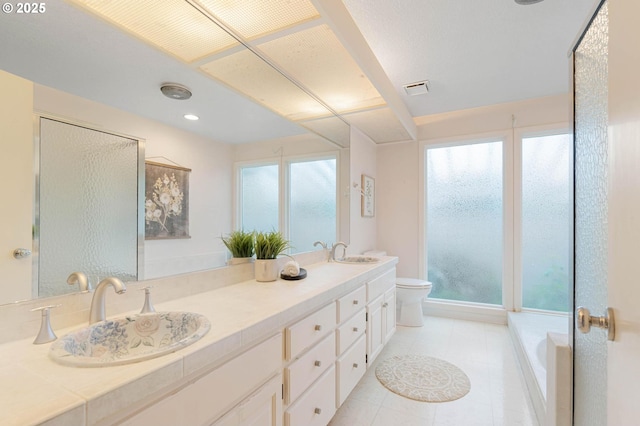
pixel 36 390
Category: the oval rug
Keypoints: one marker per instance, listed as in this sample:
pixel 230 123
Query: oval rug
pixel 423 378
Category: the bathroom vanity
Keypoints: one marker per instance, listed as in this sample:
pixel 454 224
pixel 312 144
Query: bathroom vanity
pixel 280 353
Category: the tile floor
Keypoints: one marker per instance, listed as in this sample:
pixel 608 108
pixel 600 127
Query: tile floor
pixel 498 395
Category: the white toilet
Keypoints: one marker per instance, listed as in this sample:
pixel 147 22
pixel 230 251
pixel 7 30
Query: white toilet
pixel 409 295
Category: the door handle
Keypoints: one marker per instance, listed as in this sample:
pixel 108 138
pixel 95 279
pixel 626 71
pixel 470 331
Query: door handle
pixel 584 321
pixel 21 253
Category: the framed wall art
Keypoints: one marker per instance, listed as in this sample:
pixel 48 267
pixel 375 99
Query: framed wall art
pixel 368 196
pixel 166 203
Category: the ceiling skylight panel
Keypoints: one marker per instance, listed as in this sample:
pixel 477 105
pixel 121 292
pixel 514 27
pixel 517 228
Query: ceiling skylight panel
pixel 316 58
pixel 255 18
pixel 171 25
pixel 248 74
pixel 380 124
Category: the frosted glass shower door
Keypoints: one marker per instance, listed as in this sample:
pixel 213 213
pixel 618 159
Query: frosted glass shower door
pixel 591 217
pixel 88 206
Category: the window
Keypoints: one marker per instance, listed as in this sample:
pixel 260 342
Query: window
pixel 464 222
pixel 474 243
pixel 259 198
pixel 546 221
pixel 312 203
pixel 304 201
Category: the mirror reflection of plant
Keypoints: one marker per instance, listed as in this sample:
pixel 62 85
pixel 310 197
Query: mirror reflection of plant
pixel 270 244
pixel 166 201
pixel 240 243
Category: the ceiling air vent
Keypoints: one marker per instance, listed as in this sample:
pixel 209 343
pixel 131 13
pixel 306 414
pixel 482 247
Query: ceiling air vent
pixel 418 88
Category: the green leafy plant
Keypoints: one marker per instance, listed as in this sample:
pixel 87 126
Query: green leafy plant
pixel 270 244
pixel 240 243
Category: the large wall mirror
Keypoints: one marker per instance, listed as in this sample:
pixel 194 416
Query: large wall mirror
pixel 71 67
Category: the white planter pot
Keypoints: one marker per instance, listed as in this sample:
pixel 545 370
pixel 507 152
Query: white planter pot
pixel 239 260
pixel 267 270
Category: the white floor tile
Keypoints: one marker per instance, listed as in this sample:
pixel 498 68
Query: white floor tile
pixel 498 395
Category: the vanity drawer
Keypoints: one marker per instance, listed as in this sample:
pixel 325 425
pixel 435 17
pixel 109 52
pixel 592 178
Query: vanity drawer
pixel 379 285
pixel 350 369
pixel 306 369
pixel 348 332
pixel 307 332
pixel 351 303
pixel 317 406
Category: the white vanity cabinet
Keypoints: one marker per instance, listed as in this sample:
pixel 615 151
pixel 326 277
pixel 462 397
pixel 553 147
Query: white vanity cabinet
pixel 381 308
pixel 351 342
pixel 230 388
pixel 309 376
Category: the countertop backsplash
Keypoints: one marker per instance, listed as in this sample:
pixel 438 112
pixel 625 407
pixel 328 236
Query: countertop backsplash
pixel 17 321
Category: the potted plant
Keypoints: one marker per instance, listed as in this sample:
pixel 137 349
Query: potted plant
pixel 268 246
pixel 241 245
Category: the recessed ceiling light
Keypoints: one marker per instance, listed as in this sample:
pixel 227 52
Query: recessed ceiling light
pixel 175 91
pixel 526 2
pixel 191 117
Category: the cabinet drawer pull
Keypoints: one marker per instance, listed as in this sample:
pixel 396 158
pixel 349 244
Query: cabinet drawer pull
pixel 355 302
pixel 318 327
pixel 355 365
pixel 355 329
pixel 317 363
pixel 385 304
pixel 317 410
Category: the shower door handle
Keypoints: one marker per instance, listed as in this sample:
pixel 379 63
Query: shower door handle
pixel 584 321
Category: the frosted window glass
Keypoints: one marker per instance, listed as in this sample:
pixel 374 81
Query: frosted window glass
pixel 88 206
pixel 464 222
pixel 312 203
pixel 546 220
pixel 259 193
pixel 591 163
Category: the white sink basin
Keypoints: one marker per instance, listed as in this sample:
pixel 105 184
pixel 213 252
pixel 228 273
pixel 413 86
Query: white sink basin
pixel 129 339
pixel 358 259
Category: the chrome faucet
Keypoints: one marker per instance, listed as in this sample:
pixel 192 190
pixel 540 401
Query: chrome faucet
pixel 324 247
pixel 97 312
pixel 332 256
pixel 81 279
pixel 320 243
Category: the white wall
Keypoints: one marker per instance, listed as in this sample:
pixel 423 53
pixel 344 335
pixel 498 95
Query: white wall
pixel 398 166
pixel 363 230
pixel 209 182
pixel 16 174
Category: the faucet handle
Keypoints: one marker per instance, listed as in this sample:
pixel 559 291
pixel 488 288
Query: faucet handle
pixel 46 334
pixel 147 307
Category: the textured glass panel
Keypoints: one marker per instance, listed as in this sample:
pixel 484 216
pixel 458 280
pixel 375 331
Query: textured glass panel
pixel 312 208
pixel 591 111
pixel 464 222
pixel 546 219
pixel 259 193
pixel 88 206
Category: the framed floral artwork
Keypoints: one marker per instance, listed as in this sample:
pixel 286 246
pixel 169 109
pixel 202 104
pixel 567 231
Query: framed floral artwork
pixel 368 196
pixel 166 203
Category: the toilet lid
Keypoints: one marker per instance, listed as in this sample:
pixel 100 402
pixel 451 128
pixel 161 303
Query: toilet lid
pixel 412 283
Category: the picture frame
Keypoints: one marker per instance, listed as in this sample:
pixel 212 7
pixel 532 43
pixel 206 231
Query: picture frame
pixel 166 201
pixel 367 196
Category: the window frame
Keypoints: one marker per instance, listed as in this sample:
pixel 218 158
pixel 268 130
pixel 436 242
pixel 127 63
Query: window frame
pixel 284 186
pixel 512 218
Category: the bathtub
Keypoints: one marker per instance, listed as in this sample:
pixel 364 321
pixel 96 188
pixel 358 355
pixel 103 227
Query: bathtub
pixel 531 333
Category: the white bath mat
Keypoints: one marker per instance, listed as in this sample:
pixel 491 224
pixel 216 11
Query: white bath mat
pixel 423 378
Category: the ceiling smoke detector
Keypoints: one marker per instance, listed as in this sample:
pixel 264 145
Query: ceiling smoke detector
pixel 526 2
pixel 175 91
pixel 417 88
